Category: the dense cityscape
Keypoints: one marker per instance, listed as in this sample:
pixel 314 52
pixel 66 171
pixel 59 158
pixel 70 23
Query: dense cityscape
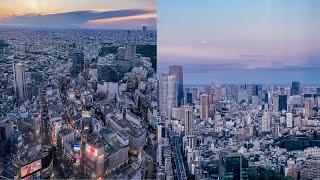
pixel 78 104
pixel 160 89
pixel 237 131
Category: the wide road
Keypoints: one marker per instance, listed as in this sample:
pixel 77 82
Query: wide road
pixel 179 170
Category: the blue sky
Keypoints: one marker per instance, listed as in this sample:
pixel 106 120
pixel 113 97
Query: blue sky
pixel 264 33
pixel 226 36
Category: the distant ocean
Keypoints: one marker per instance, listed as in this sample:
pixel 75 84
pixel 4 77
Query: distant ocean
pixel 193 76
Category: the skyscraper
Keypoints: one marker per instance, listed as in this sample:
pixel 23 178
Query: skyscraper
pixel 204 107
pixel 19 80
pixel 289 120
pixel 282 102
pixel 295 89
pixel 178 71
pixel 308 106
pixel 172 93
pixel 130 50
pixel 275 103
pixel 163 93
pixel 77 63
pixel 167 94
pixel 265 122
pixel 189 120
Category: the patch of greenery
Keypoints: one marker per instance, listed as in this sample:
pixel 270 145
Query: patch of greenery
pixel 149 51
pixel 108 50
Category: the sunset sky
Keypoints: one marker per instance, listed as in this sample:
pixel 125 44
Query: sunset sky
pixel 79 13
pixel 254 34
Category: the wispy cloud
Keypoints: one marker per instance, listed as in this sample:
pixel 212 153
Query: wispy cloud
pixel 78 18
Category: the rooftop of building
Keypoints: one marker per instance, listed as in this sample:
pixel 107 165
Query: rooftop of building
pixel 110 137
pixel 130 129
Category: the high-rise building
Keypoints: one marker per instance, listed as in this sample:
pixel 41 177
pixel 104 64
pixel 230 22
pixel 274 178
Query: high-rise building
pixel 167 94
pixel 289 120
pixel 282 102
pixel 172 93
pixel 178 71
pixel 204 109
pixel 275 103
pixel 266 97
pixel 77 63
pixel 19 80
pixel 189 120
pixel 163 94
pixel 295 89
pixel 265 122
pixel 131 50
pixel 308 106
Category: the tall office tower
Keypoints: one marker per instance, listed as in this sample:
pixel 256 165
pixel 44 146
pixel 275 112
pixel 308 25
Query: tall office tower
pixel 289 120
pixel 250 89
pixel 295 89
pixel 296 100
pixel 233 166
pixel 256 90
pixel 204 109
pixel 45 128
pixel 163 94
pixel 172 93
pixel 77 63
pixel 287 91
pixel 189 120
pixel 167 94
pixel 308 106
pixel 178 71
pixel 19 80
pixel 212 99
pixel 131 50
pixel 265 122
pixel 266 97
pixel 282 102
pixel 275 103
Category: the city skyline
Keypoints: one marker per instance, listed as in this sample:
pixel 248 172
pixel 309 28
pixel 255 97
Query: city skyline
pixel 241 35
pixel 96 14
pixel 167 89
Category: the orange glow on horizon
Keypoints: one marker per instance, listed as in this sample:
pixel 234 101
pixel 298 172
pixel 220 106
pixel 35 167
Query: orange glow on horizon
pixel 119 19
